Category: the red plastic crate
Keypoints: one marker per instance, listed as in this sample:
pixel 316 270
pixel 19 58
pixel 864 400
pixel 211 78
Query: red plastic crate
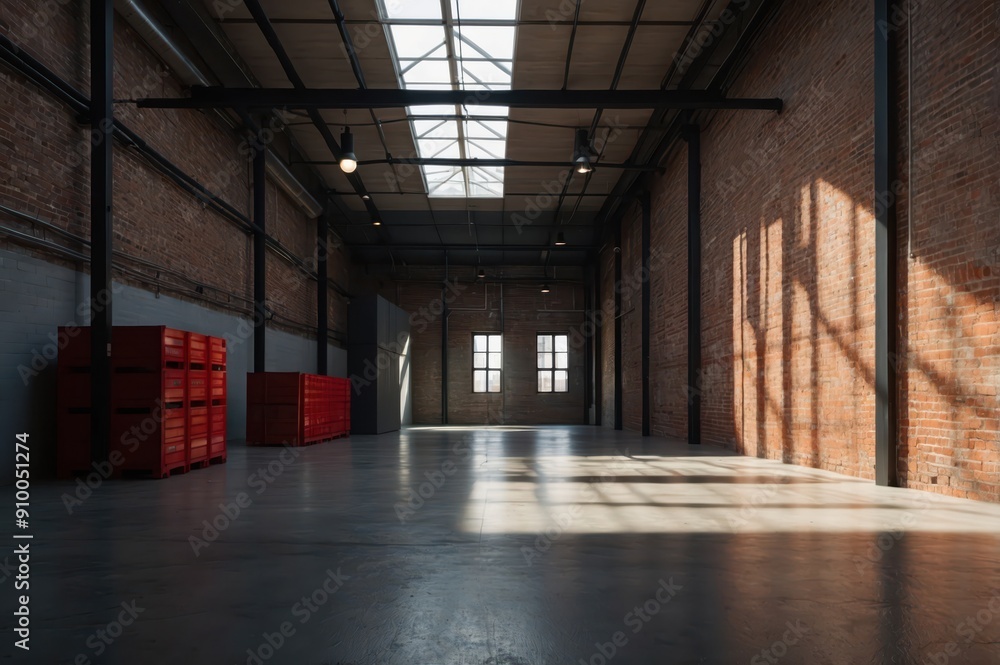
pixel 148 346
pixel 197 382
pixel 217 352
pixel 197 349
pixel 217 385
pixel 150 440
pixel 293 409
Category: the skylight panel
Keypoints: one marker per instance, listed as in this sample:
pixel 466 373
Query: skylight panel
pixel 469 46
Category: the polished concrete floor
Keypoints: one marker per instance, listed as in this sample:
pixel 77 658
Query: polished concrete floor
pixel 508 546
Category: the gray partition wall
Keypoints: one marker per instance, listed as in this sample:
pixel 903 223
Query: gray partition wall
pixel 378 336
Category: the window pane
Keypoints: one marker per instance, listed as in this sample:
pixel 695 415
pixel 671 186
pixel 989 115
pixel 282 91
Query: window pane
pixel 494 361
pixel 414 9
pixel 562 342
pixel 495 343
pixel 413 41
pixel 479 343
pixel 544 361
pixel 479 360
pixel 545 382
pixel 478 9
pixel 494 381
pixel 479 381
pixel 545 342
pixel 561 381
pixel 562 360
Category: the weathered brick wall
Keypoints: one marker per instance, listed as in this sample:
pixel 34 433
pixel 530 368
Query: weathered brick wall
pixel 788 255
pixel 45 171
pixel 950 352
pixel 668 302
pixel 518 310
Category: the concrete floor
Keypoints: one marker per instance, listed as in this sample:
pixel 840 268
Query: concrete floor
pixel 554 545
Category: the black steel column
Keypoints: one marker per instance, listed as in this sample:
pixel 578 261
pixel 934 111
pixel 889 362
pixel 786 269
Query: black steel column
pixel 619 416
pixel 692 134
pixel 588 344
pixel 102 123
pixel 646 300
pixel 259 254
pixel 322 323
pixel 598 322
pixel 444 344
pixel 886 123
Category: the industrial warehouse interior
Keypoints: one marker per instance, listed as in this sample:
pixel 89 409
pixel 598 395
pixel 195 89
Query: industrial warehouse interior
pixel 500 332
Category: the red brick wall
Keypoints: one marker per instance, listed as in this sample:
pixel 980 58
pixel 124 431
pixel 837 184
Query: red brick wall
pixel 45 170
pixel 668 302
pixel 475 307
pixel 788 255
pixel 607 351
pixel 950 355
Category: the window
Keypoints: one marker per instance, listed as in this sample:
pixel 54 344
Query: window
pixel 487 360
pixel 458 45
pixel 553 363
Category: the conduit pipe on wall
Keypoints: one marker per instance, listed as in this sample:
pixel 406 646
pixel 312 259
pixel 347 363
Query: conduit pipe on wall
pixel 155 35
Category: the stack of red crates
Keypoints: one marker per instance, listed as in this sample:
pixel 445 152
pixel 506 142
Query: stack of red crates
pixel 159 393
pixel 289 408
pixel 216 399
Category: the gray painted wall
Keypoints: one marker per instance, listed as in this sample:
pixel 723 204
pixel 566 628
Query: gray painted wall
pixel 36 297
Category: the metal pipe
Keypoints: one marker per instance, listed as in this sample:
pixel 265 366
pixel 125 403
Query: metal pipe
pixel 152 32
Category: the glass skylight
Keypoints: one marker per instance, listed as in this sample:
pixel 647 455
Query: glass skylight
pixel 455 45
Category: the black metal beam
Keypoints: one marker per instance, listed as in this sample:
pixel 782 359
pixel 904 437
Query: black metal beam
pixel 431 247
pixel 598 322
pixel 886 249
pixel 331 98
pixel 645 203
pixel 444 344
pixel 271 36
pixel 485 163
pixel 588 341
pixel 322 311
pixel 619 416
pixel 692 133
pixel 259 254
pixel 101 233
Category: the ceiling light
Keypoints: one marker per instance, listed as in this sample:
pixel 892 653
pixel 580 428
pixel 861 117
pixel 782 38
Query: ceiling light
pixel 481 274
pixel 560 240
pixel 545 288
pixel 376 221
pixel 582 152
pixel 348 160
